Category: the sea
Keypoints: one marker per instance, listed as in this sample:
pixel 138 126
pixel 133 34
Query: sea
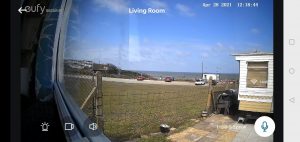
pixel 187 75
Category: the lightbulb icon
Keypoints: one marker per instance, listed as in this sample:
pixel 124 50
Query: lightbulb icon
pixel 45 126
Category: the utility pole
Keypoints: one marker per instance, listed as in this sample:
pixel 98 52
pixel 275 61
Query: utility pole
pixel 202 70
pixel 202 67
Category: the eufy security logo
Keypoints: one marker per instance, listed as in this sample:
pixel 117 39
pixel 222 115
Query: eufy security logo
pixel 37 9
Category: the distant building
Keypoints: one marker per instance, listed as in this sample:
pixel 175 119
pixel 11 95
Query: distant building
pixel 214 76
pixel 101 67
pixel 256 82
pixel 79 64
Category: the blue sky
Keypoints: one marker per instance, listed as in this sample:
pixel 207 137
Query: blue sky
pixel 178 40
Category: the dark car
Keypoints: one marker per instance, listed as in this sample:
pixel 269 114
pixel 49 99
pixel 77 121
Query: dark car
pixel 168 79
pixel 214 82
pixel 140 78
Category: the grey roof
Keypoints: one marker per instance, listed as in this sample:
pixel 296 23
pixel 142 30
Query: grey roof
pixel 252 53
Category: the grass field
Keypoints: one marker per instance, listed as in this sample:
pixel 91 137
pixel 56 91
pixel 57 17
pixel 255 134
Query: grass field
pixel 132 110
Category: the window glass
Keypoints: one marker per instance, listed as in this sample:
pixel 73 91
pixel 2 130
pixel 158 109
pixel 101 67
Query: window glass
pixel 88 35
pixel 257 76
pixel 131 65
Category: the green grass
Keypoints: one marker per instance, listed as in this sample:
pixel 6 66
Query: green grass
pixel 132 110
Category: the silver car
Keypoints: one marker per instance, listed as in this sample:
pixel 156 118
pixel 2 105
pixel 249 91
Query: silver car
pixel 199 82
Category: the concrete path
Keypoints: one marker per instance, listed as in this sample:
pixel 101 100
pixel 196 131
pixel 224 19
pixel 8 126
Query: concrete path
pixel 219 128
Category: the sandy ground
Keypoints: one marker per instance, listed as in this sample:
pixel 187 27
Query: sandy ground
pixel 219 128
pixel 148 81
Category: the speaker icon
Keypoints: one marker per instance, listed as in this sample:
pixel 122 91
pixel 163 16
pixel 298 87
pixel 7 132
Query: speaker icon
pixel 93 126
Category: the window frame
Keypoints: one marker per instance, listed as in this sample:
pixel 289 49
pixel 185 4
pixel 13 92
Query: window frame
pixel 67 107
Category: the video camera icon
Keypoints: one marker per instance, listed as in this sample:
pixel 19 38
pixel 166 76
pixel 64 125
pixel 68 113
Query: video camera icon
pixel 69 126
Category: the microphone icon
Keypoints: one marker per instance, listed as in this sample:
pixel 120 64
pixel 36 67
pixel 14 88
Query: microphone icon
pixel 264 126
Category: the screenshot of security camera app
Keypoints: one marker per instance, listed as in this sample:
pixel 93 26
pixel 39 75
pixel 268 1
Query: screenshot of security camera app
pixel 147 70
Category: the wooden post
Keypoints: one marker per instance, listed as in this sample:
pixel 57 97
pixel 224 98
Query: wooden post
pixel 209 104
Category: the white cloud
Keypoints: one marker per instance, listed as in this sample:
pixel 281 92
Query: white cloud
pixel 117 6
pixel 157 4
pixel 147 54
pixel 180 53
pixel 220 49
pixel 204 55
pixel 184 10
pixel 220 45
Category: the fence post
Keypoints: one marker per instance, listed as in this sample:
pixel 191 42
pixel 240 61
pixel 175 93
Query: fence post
pixel 209 104
pixel 98 103
pixel 227 85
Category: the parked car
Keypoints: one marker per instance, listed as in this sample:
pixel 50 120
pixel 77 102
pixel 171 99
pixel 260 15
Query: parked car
pixel 140 78
pixel 168 79
pixel 199 82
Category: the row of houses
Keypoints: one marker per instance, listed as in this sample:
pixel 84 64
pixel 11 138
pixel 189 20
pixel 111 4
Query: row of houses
pixel 79 64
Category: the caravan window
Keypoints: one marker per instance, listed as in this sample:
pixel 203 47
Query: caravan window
pixel 257 75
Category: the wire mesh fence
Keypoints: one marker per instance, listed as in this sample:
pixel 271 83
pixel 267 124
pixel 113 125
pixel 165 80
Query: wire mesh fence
pixel 82 84
pixel 129 110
